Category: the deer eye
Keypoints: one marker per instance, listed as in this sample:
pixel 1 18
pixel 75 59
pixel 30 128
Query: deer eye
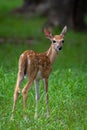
pixel 54 41
pixel 62 41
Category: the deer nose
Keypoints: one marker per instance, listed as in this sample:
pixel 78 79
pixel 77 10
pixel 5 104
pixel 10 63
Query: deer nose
pixel 60 48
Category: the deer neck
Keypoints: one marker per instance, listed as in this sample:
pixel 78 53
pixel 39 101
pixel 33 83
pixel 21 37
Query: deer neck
pixel 52 54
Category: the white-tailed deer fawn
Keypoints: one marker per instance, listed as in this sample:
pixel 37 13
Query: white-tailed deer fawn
pixel 38 66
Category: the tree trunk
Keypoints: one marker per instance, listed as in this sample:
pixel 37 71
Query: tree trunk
pixel 59 12
pixel 79 14
pixel 68 12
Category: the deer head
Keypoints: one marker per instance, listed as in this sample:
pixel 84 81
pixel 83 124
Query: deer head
pixel 57 40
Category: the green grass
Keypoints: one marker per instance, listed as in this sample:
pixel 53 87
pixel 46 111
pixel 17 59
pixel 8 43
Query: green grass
pixel 67 82
pixel 67 96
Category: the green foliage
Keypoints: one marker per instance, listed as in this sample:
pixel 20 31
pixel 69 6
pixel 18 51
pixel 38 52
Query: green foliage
pixel 67 82
pixel 6 6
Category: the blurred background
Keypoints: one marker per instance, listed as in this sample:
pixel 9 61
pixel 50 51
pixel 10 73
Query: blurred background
pixel 70 12
pixel 22 23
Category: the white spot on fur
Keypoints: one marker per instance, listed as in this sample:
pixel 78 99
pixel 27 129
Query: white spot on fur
pixel 28 60
pixel 22 55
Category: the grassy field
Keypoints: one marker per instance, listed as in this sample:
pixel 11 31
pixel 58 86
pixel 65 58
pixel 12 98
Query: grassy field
pixel 67 82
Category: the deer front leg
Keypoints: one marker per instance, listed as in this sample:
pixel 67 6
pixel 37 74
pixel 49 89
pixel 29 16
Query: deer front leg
pixel 36 82
pixel 46 94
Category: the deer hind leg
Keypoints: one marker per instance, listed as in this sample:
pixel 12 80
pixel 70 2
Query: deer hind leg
pixel 17 88
pixel 25 94
pixel 25 91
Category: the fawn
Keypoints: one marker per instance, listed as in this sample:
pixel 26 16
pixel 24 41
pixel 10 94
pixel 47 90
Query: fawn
pixel 38 66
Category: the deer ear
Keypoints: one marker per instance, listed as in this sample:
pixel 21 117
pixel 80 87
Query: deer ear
pixel 64 31
pixel 48 34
